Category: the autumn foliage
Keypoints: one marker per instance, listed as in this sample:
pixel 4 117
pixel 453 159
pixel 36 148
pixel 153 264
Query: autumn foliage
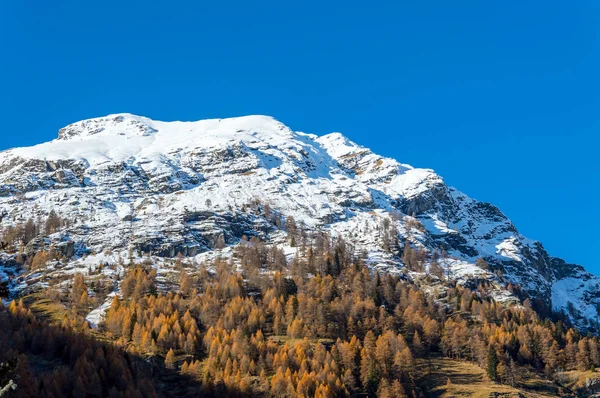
pixel 320 324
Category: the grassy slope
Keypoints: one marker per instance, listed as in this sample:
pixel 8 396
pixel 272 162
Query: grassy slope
pixel 469 380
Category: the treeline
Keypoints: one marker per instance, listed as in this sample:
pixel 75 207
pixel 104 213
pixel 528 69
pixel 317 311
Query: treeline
pixel 320 324
pixel 20 234
pixel 15 238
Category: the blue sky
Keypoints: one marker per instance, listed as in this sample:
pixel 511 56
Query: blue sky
pixel 500 98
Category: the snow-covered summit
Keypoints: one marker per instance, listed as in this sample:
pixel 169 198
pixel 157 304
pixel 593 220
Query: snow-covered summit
pixel 129 125
pixel 175 187
pixel 125 137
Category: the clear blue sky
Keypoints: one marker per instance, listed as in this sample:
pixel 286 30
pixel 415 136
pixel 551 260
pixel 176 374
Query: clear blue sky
pixel 500 98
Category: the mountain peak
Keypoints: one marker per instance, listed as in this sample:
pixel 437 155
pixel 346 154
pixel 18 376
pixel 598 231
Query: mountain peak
pixel 115 124
pixel 130 125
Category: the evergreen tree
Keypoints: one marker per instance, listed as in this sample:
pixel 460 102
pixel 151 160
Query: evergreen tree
pixel 492 363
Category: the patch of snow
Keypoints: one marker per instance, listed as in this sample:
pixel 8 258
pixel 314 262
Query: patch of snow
pixel 97 315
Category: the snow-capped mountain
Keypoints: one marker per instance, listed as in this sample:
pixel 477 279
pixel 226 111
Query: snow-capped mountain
pixel 128 182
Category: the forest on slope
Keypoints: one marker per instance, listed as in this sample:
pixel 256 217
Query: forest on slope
pixel 255 324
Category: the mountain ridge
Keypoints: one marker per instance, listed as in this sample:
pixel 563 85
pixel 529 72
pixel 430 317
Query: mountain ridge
pixel 176 187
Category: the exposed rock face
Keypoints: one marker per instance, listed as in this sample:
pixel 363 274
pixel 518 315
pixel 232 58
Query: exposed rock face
pixel 66 249
pixel 63 248
pixel 128 182
pixel 34 246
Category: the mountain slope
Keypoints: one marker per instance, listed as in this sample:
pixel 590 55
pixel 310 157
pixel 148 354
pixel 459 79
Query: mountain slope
pixel 130 183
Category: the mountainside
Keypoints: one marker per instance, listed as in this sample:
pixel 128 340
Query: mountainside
pixel 129 185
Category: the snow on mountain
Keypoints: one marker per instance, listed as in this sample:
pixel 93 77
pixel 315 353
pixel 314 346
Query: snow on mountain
pixel 127 181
